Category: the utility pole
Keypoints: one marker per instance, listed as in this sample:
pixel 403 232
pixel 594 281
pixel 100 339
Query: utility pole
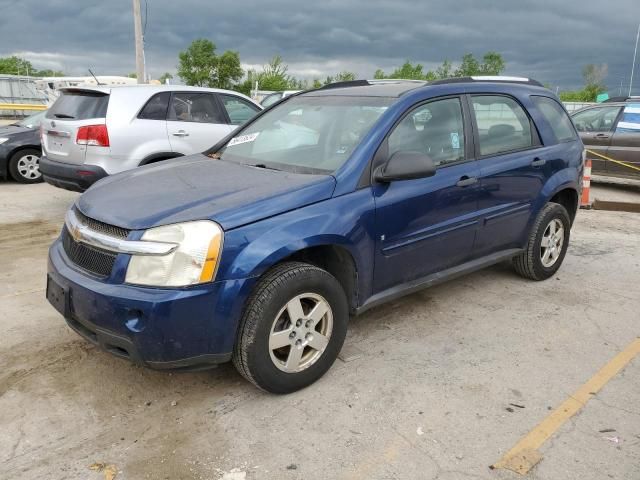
pixel 633 65
pixel 137 23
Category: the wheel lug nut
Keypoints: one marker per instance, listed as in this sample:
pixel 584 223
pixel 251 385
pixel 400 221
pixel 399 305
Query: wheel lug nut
pixel 308 324
pixel 298 323
pixel 292 335
pixel 308 337
pixel 298 342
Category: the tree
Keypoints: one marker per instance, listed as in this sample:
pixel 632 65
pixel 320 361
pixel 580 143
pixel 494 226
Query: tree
pixel 492 64
pixel 345 76
pixel 594 76
pixel 274 75
pixel 132 75
pixel 19 66
pixel 164 77
pixel 15 66
pixel 229 70
pixel 200 66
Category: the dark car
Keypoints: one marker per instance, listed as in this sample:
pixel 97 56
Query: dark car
pixel 323 206
pixel 20 150
pixel 612 129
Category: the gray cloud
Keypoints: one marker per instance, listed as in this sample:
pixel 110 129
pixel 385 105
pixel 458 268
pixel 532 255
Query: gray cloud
pixel 544 39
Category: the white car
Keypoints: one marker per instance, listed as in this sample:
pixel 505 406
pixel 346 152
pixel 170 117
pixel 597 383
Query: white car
pixel 92 132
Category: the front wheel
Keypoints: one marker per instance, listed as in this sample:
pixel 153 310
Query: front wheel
pixel 293 328
pixel 24 166
pixel 547 245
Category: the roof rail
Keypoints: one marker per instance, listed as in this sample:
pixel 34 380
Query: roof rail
pixel 488 78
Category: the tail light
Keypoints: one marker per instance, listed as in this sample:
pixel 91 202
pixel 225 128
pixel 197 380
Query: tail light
pixel 93 135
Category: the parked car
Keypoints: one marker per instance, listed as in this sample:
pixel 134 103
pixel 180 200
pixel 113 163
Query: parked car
pixel 92 132
pixel 324 206
pixel 275 97
pixel 612 129
pixel 20 150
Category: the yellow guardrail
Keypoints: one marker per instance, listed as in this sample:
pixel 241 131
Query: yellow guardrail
pixel 624 164
pixel 22 106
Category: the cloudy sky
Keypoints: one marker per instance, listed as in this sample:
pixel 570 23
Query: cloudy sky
pixel 548 40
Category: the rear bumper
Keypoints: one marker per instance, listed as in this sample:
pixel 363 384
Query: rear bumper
pixel 69 176
pixel 161 328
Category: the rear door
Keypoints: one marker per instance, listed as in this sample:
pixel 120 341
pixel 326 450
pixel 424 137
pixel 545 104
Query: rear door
pixel 195 122
pixel 74 108
pixel 625 143
pixel 513 169
pixel 150 124
pixel 595 126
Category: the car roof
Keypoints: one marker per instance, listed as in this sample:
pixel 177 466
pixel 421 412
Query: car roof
pixel 397 88
pixel 150 89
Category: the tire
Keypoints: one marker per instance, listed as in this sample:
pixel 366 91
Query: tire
pixel 24 166
pixel 268 360
pixel 538 261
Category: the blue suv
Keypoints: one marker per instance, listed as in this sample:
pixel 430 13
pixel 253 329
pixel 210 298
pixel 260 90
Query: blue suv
pixel 323 206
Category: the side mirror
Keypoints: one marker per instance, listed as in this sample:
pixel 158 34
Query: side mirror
pixel 405 166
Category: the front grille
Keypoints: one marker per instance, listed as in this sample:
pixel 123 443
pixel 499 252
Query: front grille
pixel 100 227
pixel 93 260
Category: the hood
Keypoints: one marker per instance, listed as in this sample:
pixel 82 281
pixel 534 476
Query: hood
pixel 12 130
pixel 196 188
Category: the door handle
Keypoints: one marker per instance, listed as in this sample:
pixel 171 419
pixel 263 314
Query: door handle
pixel 602 136
pixel 538 162
pixel 466 181
pixel 180 133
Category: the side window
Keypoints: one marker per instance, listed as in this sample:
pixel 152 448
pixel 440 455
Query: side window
pixel 600 119
pixel 156 107
pixel 436 129
pixel 503 125
pixel 238 109
pixel 194 107
pixel 556 118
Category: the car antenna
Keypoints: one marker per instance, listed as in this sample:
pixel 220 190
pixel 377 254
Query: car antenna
pixel 95 78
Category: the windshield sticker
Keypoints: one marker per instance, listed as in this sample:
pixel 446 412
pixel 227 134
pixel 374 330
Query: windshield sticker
pixel 455 140
pixel 243 139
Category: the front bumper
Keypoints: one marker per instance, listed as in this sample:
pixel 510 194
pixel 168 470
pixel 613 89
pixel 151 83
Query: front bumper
pixel 70 176
pixel 189 328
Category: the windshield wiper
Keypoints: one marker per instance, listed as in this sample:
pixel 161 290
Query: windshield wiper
pixel 63 115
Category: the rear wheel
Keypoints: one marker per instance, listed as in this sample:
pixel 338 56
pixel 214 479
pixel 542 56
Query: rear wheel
pixel 24 166
pixel 547 245
pixel 293 328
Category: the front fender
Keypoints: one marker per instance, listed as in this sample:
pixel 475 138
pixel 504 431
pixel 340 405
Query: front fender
pixel 346 221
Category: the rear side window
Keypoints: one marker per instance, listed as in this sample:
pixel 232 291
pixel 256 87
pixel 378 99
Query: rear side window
pixel 195 107
pixel 156 107
pixel 239 110
pixel 556 117
pixel 503 125
pixel 79 105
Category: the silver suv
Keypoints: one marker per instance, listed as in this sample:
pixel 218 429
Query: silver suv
pixel 92 132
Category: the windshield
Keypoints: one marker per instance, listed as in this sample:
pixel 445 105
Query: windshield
pixel 306 134
pixel 32 121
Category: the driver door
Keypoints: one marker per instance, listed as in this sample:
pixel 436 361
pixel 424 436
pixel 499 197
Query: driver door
pixel 429 224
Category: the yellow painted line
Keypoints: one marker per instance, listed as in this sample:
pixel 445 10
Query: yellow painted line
pixel 524 455
pixel 22 106
pixel 624 164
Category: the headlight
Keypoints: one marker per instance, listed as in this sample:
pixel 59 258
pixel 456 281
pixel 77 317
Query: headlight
pixel 3 139
pixel 194 261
